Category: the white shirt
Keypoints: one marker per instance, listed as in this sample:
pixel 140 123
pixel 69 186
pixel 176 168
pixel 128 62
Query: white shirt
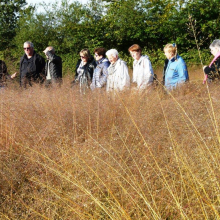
pixel 143 72
pixel 48 71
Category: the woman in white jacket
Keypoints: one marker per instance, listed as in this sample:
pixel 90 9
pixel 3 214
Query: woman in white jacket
pixel 118 77
pixel 143 73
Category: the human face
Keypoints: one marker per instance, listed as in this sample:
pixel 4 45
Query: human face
pixel 112 59
pixel 214 50
pixel 135 54
pixel 98 57
pixel 28 50
pixel 83 58
pixel 168 54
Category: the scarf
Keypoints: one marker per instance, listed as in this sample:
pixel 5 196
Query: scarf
pixel 214 59
pixel 111 68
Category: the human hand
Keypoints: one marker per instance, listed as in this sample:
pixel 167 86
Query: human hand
pixel 13 75
pixel 45 51
pixel 205 78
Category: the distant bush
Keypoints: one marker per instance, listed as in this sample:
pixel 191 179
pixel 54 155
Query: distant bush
pixel 157 57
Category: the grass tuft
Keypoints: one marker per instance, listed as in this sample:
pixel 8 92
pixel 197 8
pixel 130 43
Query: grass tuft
pixel 150 155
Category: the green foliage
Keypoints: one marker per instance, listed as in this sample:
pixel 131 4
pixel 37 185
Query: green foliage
pixel 69 62
pixel 205 15
pixel 157 57
pixel 36 28
pixel 192 57
pixel 70 27
pixel 9 14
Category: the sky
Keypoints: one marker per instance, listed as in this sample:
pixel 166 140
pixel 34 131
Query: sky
pixel 33 2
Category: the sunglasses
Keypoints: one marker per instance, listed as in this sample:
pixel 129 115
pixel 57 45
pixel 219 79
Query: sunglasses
pixel 27 48
pixel 82 57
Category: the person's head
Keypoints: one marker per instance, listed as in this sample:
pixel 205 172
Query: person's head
pixel 170 50
pixel 112 55
pixel 99 53
pixel 51 49
pixel 85 55
pixel 29 48
pixel 215 47
pixel 135 51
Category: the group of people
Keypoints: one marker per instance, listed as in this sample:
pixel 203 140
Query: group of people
pixel 106 69
pixel 110 71
pixel 34 69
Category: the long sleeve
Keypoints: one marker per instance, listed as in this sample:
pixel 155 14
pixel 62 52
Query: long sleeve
pixel 104 74
pixel 148 73
pixel 183 73
pixel 123 79
pixel 213 71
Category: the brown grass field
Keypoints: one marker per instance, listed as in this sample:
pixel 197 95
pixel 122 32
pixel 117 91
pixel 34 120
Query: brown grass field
pixel 150 155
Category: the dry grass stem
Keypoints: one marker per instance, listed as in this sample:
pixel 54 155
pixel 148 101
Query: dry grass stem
pixel 150 155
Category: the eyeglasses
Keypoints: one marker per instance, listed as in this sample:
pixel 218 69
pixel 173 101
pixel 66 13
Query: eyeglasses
pixel 83 57
pixel 27 48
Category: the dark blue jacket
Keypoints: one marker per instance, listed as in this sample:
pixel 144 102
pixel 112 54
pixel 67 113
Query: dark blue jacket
pixel 100 74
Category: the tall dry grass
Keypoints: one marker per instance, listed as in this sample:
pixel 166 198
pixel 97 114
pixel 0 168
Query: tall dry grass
pixel 152 155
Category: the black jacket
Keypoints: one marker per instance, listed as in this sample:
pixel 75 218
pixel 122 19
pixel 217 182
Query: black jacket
pixel 3 73
pixel 55 66
pixel 164 70
pixel 35 74
pixel 213 71
pixel 88 69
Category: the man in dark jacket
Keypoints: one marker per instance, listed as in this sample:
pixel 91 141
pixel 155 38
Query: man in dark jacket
pixel 53 69
pixel 32 66
pixel 4 74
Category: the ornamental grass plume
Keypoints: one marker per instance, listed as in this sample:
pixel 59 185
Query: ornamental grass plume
pixel 192 26
pixel 65 155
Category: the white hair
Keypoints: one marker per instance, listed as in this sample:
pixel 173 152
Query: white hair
pixel 29 43
pixel 215 43
pixel 112 52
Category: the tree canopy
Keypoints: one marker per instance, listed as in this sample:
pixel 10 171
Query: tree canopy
pixel 9 15
pixel 70 27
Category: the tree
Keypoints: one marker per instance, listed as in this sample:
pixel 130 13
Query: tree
pixel 9 15
pixel 206 16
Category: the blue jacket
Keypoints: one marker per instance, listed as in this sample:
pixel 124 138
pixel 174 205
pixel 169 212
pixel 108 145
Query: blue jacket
pixel 176 72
